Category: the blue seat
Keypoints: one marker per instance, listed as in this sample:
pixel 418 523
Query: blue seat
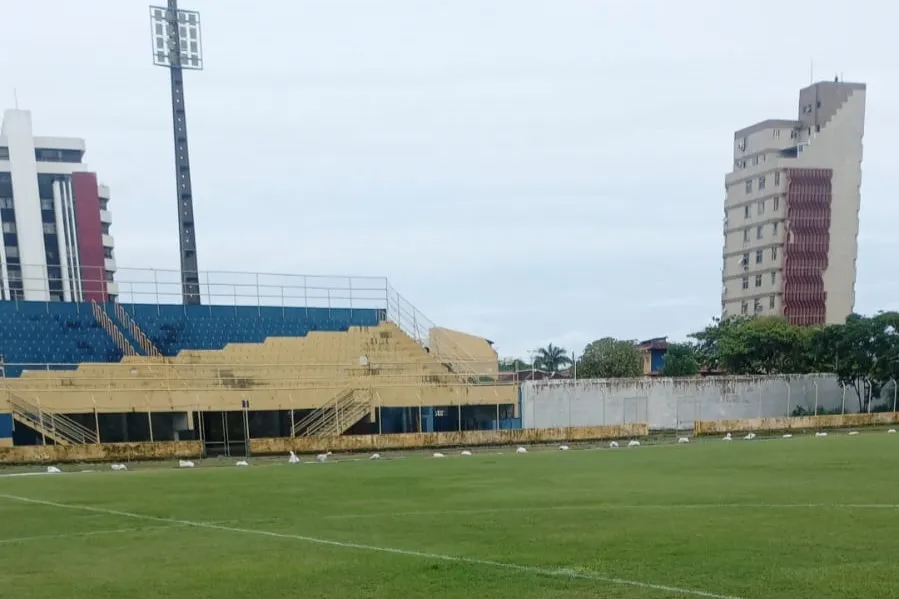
pixel 66 334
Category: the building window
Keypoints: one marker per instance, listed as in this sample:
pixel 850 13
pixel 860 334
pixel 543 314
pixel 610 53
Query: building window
pixel 53 155
pixel 46 204
pixel 759 232
pixel 749 186
pixel 109 275
pixel 747 211
pixel 6 203
pixel 104 203
pixel 9 227
pixel 758 256
pixel 45 186
pixel 49 228
pixel 745 260
pixel 107 252
pixel 15 274
pixel 755 161
pixel 762 182
pixel 773 278
pixel 743 308
pixel 757 305
pixel 762 207
pixel 774 228
pixel 745 282
pixel 776 203
pixel 771 302
pixel 776 133
pixel 758 280
pixel 105 227
pixel 12 251
pixel 773 253
pixel 745 235
pixel 777 177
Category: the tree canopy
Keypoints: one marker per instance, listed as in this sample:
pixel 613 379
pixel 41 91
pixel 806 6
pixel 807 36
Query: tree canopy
pixel 551 358
pixel 681 359
pixel 863 352
pixel 610 358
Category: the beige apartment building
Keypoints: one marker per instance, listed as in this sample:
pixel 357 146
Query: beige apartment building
pixel 791 210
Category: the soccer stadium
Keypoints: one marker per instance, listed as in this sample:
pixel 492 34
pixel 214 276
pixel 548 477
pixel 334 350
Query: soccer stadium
pixel 223 434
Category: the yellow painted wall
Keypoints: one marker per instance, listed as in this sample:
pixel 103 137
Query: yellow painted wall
pixel 281 373
pixel 434 440
pixel 112 452
pixel 713 427
pixel 471 350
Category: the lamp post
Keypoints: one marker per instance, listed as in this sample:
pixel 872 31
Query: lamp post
pixel 177 46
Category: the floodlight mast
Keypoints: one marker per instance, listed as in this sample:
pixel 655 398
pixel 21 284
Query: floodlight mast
pixel 177 46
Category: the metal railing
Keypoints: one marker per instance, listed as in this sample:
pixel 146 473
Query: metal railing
pixel 137 332
pixel 235 288
pixel 109 326
pixel 333 418
pixel 58 427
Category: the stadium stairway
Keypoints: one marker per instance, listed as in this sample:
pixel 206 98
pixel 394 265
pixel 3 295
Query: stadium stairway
pixel 56 427
pixel 119 338
pixel 140 339
pixel 335 417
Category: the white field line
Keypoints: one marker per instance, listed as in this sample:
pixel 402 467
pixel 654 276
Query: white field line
pixel 612 507
pixel 554 572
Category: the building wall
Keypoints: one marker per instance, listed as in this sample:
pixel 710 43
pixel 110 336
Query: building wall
pixel 90 242
pixel 667 403
pixel 40 259
pixel 839 147
pixel 29 226
pixel 828 132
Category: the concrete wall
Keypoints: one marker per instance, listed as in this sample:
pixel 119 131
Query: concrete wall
pixel 475 352
pixel 800 423
pixel 669 403
pixel 105 452
pixel 436 440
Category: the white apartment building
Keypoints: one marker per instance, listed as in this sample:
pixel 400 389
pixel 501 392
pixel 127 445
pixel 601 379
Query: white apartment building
pixel 791 210
pixel 54 219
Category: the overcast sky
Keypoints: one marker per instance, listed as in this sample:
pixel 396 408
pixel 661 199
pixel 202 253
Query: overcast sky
pixel 532 171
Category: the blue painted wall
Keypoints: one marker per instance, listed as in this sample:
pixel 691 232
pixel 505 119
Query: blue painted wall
pixel 656 360
pixel 5 426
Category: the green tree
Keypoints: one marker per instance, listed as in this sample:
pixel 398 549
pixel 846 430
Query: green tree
pixel 863 353
pixel 763 345
pixel 514 365
pixel 680 360
pixel 610 358
pixel 551 358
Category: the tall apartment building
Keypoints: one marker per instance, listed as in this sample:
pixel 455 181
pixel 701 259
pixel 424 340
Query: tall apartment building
pixel 54 219
pixel 791 210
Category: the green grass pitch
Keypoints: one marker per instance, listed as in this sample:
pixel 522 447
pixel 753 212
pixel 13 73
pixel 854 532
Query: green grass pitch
pixel 799 518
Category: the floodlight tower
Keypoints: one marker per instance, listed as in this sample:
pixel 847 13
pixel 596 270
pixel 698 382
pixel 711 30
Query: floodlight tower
pixel 177 46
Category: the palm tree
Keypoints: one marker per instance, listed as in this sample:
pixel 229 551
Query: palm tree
pixel 551 358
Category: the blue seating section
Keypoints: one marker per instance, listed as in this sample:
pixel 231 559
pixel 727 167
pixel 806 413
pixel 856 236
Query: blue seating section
pixel 67 334
pixel 62 334
pixel 172 328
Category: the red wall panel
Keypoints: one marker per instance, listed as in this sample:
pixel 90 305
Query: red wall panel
pixel 90 236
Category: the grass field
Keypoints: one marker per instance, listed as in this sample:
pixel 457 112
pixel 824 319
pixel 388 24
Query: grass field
pixel 800 518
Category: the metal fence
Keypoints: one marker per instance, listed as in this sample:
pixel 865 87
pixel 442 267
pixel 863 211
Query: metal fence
pixel 677 403
pixel 226 288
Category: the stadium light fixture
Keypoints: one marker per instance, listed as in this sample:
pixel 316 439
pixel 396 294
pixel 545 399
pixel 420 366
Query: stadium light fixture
pixel 177 45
